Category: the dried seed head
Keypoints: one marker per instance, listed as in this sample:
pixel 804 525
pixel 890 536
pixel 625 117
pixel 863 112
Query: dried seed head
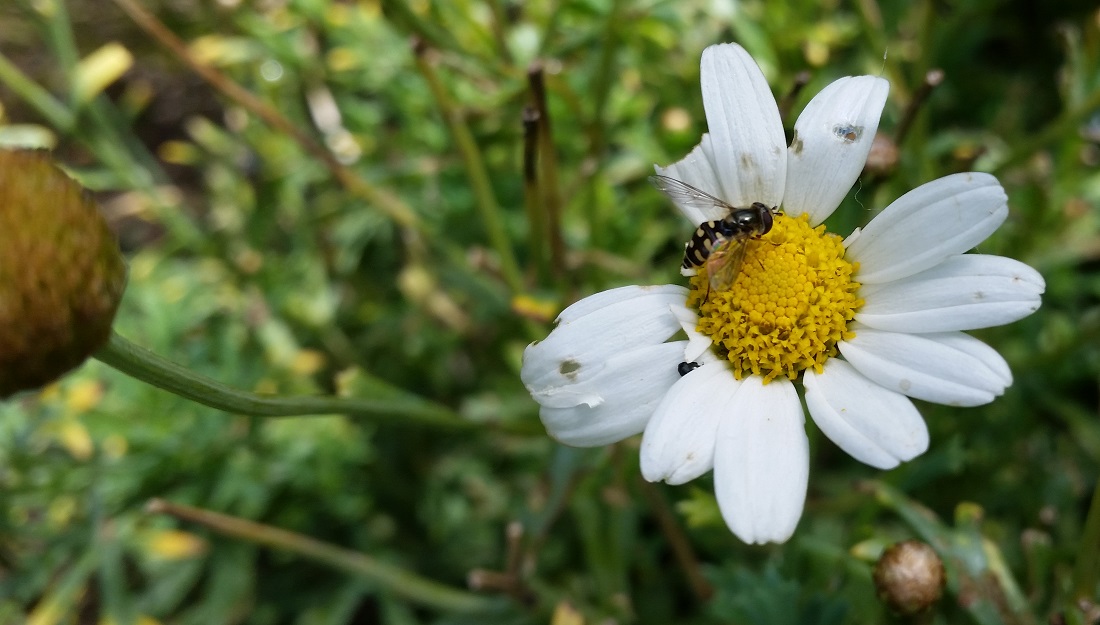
pixel 909 577
pixel 61 272
pixel 883 158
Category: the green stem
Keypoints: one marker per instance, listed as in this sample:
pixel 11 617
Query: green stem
pixel 1084 573
pixel 605 78
pixel 395 405
pixel 875 31
pixel 64 120
pixel 399 11
pixel 391 205
pixel 476 172
pixel 387 576
pixel 1060 127
pixel 59 37
pixel 94 122
pixel 500 20
pixel 60 116
pixel 678 541
pixel 56 113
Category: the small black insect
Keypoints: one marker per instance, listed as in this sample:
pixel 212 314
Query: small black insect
pixel 685 368
pixel 719 244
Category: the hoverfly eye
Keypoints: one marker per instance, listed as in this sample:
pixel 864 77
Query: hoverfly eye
pixel 766 219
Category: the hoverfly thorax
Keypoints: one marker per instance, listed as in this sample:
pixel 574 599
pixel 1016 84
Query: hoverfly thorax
pixel 753 221
pixel 756 220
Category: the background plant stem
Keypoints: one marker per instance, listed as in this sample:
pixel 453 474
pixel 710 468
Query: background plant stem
pixel 389 578
pixel 1085 569
pixel 487 206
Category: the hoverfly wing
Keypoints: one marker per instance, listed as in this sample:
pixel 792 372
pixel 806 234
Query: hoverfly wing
pixel 724 263
pixel 684 193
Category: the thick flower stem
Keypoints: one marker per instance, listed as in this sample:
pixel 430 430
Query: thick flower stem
pixel 385 576
pixel 394 405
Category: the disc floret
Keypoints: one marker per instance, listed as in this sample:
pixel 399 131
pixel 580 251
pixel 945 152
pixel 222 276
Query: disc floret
pixel 791 303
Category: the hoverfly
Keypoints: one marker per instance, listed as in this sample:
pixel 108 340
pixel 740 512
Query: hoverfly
pixel 719 244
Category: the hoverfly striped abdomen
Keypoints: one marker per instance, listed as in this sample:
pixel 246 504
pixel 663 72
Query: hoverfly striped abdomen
pixel 701 243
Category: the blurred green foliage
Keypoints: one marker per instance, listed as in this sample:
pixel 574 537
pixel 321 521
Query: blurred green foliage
pixel 252 263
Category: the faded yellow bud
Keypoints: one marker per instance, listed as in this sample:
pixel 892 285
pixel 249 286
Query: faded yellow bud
pixel 909 577
pixel 61 272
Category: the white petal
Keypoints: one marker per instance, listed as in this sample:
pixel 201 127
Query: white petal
pixel 874 425
pixel 831 141
pixel 678 444
pixel 947 368
pixel 762 461
pixel 596 301
pixel 595 329
pixel 964 292
pixel 920 229
pixel 698 347
pixel 746 133
pixel 628 389
pixel 698 170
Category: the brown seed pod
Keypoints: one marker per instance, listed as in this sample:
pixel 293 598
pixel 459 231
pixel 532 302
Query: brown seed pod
pixel 909 577
pixel 61 272
pixel 882 160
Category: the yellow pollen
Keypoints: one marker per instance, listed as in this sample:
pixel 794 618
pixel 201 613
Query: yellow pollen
pixel 791 302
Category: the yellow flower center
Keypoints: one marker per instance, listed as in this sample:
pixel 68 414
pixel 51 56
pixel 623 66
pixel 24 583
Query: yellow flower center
pixel 790 304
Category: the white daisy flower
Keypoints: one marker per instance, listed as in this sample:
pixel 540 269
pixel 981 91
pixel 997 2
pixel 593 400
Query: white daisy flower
pixel 863 324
